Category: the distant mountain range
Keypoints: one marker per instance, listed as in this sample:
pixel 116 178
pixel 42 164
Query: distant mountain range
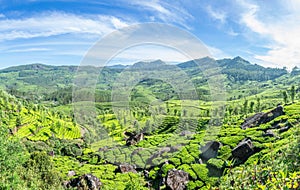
pixel 42 80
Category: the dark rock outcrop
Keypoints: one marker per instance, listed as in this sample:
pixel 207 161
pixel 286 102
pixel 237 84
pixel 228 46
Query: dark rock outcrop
pixel 261 118
pixel 210 150
pixel 243 150
pixel 85 182
pixel 125 168
pixel 133 138
pixel 176 179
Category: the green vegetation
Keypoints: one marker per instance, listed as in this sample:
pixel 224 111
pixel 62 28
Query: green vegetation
pixel 43 146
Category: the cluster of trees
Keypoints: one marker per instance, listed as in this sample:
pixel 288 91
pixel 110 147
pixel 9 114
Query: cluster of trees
pixel 20 169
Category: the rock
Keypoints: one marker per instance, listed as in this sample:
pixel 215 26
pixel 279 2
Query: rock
pixel 261 118
pixel 125 168
pixel 210 150
pixel 133 138
pixel 243 150
pixel 71 173
pixel 269 133
pixel 176 179
pixel 85 182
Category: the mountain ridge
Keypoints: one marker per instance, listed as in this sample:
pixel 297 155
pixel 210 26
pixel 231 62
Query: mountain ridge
pixel 228 62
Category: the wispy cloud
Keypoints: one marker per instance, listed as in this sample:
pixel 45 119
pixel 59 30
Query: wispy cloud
pixel 149 52
pixel 166 12
pixel 27 50
pixel 249 18
pixel 216 52
pixel 281 33
pixel 57 23
pixel 216 14
pixel 231 32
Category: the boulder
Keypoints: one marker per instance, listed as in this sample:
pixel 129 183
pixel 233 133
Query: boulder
pixel 243 150
pixel 210 150
pixel 176 179
pixel 85 182
pixel 261 118
pixel 125 168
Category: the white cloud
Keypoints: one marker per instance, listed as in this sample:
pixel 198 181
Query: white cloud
pixel 57 23
pixel 2 15
pixel 216 15
pixel 282 33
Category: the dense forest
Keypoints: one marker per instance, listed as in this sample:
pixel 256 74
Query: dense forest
pixel 248 140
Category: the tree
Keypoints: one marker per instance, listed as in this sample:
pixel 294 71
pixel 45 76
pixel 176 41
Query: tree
pixel 175 112
pixel 285 97
pixel 245 106
pixel 251 107
pixel 230 110
pixel 39 172
pixel 293 93
pixel 258 104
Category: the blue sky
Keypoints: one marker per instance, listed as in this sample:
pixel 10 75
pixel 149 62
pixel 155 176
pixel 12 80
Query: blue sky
pixel 61 32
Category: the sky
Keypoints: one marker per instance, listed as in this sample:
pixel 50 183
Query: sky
pixel 61 32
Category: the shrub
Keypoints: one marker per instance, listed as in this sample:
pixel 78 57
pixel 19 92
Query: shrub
pixel 217 163
pixel 201 171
